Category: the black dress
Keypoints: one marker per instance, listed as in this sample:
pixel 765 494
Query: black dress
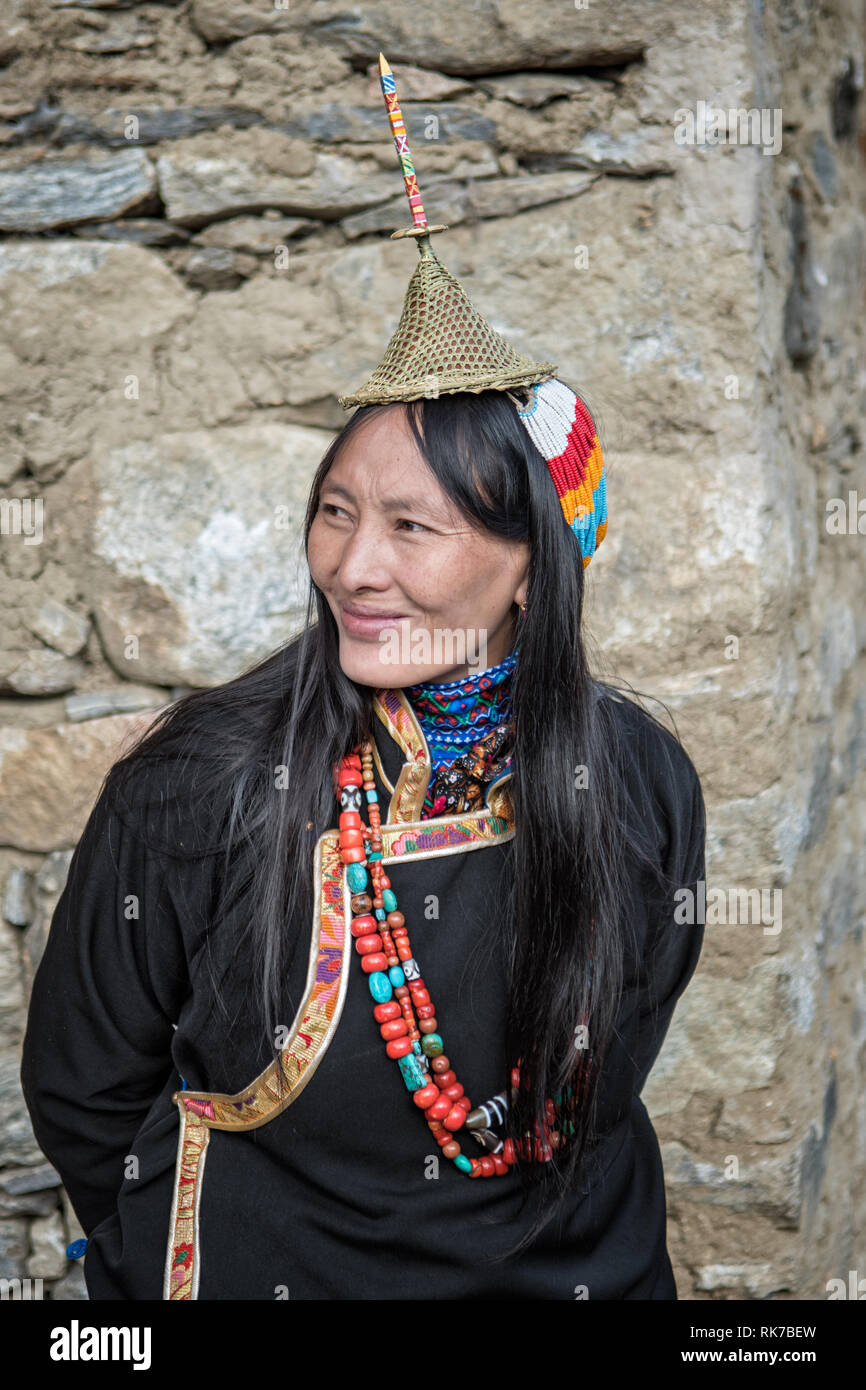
pixel 337 1194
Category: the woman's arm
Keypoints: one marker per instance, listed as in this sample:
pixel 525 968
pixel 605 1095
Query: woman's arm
pixel 97 1050
pixel 676 936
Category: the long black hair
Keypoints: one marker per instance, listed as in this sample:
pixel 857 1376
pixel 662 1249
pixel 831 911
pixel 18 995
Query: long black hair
pixel 565 910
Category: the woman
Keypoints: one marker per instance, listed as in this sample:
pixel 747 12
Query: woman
pixel 325 1148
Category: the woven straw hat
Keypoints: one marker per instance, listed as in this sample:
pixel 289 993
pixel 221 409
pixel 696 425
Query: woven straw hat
pixel 443 344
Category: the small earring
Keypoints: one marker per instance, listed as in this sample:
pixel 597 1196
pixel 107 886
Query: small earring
pixel 523 607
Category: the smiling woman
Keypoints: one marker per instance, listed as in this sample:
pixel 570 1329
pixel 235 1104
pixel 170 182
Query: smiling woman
pixel 365 956
pixel 514 997
pixel 416 562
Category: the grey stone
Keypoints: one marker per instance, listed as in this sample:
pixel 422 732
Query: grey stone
pixel 154 124
pixel 257 236
pixel 12 999
pixel 51 875
pixel 770 1187
pixel 14 1245
pixel 697 1056
pixel 122 34
pixel 35 1178
pixel 45 264
pixel 18 897
pixel 846 96
pixel 29 1204
pixel 48 1259
pixel 60 192
pixel 17 1144
pixel 220 21
pixel 457 201
pixel 136 231
pixel 748 1279
pixel 43 672
pixel 61 628
pixel 101 4
pixel 123 699
pixel 535 89
pixel 814 1155
pixel 418 84
pixel 334 122
pixel 35 941
pixel 197 189
pixel 71 1288
pixel 471 39
pixel 633 152
pixel 58 770
pixel 217 268
pixel 824 164
pixel 188 514
pixel 39 282
pixel 803 305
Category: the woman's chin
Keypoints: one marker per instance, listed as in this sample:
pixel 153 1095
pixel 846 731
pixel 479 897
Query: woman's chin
pixel 367 664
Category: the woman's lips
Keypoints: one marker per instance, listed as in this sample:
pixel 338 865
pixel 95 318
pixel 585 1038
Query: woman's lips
pixel 369 624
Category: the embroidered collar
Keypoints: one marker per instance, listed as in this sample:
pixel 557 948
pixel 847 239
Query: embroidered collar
pixel 455 715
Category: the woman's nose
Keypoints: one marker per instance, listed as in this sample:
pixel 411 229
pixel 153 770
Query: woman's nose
pixel 363 556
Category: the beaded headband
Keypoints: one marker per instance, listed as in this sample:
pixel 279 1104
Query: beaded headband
pixel 562 431
pixel 442 344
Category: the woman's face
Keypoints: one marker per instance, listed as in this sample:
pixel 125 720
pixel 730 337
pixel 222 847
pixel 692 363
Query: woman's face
pixel 416 592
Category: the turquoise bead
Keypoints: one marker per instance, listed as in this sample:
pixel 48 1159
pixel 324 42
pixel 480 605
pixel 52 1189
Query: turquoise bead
pixel 356 875
pixel 380 913
pixel 396 976
pixel 433 1045
pixel 372 796
pixel 412 1072
pixel 389 900
pixel 462 1162
pixel 380 987
pixel 375 854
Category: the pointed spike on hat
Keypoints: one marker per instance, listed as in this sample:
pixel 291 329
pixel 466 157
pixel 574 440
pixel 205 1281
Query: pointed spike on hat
pixel 442 344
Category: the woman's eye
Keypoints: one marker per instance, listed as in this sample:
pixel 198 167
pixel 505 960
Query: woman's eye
pixel 332 509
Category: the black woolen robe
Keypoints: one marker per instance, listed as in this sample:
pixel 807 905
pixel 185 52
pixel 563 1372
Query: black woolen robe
pixel 335 1196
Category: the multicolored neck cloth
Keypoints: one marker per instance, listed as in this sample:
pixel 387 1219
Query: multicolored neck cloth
pixel 467 726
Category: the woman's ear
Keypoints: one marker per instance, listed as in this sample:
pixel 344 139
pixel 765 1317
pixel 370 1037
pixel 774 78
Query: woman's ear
pixel 523 587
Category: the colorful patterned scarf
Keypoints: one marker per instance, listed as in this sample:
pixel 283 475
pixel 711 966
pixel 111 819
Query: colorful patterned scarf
pixel 467 727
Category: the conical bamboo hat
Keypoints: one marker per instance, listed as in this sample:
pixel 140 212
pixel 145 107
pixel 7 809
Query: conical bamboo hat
pixel 442 343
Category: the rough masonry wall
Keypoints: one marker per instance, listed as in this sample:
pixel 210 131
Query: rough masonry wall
pixel 195 208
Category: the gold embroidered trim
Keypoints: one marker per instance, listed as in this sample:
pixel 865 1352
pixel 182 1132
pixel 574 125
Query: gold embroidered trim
pixel 316 1019
pixel 396 713
pixel 407 801
pixel 183 1257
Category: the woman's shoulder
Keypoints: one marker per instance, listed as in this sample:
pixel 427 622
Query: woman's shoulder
pixel 661 778
pixel 645 740
pixel 168 802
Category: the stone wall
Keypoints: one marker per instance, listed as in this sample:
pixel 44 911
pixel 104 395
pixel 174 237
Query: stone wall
pixel 195 208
